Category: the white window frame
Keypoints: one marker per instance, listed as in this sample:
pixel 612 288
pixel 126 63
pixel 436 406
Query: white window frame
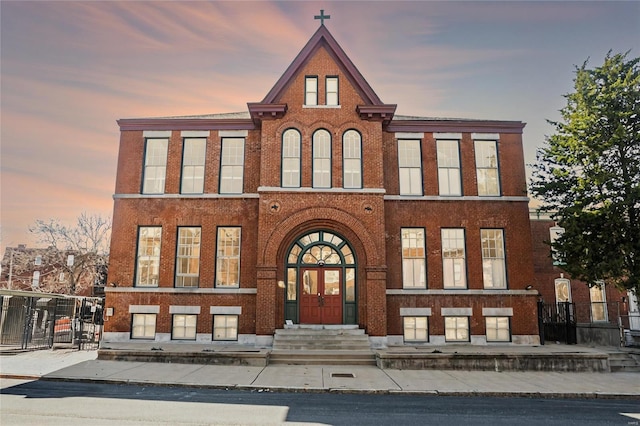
pixel 225 327
pixel 498 328
pixel 38 260
pixel 155 165
pixel 226 255
pixel 494 268
pixel 562 290
pixel 415 328
pixel 598 302
pixel 232 166
pixel 291 150
pixel 454 262
pixel 352 159
pixel 321 159
pixel 184 326
pixel 331 93
pixel 35 279
pixel 311 90
pixel 188 256
pixel 487 167
pixel 414 263
pixel 147 326
pixel 410 167
pixel 456 329
pixel 148 256
pixel 194 153
pixel 449 177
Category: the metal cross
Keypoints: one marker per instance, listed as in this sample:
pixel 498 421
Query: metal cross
pixel 322 17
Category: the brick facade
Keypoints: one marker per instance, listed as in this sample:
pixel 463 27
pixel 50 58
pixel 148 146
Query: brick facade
pixel 368 220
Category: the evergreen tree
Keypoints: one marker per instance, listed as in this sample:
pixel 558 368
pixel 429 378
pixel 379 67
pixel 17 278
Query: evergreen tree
pixel 588 174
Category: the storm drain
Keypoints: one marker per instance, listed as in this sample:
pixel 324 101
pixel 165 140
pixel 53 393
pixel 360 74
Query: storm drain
pixel 345 375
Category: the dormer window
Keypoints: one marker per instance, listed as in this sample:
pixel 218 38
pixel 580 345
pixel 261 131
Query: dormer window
pixel 331 87
pixel 311 91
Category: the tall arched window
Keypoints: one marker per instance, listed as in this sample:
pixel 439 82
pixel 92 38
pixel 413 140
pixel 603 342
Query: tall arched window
pixel 291 159
pixel 352 159
pixel 321 159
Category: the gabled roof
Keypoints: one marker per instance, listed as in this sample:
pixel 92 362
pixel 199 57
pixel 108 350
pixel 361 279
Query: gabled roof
pixel 372 109
pixel 323 37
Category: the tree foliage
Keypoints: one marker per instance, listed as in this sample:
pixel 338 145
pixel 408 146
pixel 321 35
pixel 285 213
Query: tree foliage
pixel 588 174
pixel 87 242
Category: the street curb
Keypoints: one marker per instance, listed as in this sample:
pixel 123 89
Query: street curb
pixel 434 393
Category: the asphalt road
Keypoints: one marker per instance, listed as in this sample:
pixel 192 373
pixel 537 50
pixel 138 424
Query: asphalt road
pixel 73 403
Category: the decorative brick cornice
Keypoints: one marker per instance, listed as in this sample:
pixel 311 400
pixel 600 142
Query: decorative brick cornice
pixel 383 113
pixel 460 126
pixel 265 111
pixel 185 124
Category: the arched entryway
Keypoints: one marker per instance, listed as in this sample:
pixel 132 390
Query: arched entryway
pixel 321 280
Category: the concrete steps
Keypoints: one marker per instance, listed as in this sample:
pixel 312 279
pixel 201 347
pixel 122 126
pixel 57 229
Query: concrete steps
pixel 624 362
pixel 321 345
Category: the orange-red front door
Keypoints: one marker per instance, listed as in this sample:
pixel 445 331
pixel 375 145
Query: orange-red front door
pixel 320 297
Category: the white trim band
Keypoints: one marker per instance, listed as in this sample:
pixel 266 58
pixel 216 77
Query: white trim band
pixel 160 290
pixel 415 312
pixel 485 136
pixel 225 310
pixel 409 135
pixel 195 133
pixel 456 312
pixel 441 136
pixel 173 309
pixel 464 292
pixel 233 133
pixel 156 133
pixel 144 309
pixel 497 312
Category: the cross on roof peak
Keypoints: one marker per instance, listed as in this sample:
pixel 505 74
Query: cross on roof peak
pixel 322 17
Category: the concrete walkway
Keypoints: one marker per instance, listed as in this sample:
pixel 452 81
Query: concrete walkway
pixel 69 365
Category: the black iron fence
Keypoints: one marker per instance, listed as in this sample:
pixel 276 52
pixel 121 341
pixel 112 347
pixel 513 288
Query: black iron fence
pixel 37 320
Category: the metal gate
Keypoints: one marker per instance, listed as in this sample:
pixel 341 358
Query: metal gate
pixel 38 321
pixel 557 322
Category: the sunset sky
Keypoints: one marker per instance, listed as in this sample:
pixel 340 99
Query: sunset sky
pixel 69 70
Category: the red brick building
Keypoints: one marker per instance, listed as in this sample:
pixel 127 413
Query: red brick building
pixel 320 205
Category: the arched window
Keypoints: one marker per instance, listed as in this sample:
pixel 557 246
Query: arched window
pixel 352 159
pixel 291 159
pixel 321 159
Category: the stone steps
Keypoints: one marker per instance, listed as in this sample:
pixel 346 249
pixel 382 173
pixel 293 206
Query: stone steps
pixel 321 345
pixel 623 362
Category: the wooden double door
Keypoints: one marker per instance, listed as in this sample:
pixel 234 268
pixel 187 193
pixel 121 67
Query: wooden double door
pixel 321 295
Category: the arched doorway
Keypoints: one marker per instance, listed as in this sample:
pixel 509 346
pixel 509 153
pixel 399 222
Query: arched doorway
pixel 321 280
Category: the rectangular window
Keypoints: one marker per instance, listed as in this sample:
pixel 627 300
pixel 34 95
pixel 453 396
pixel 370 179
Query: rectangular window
pixel 453 258
pixel 225 327
pixel 61 277
pixel 232 166
pixel 331 84
pixel 38 260
pixel 155 166
pixel 188 257
pixel 494 274
pixel 498 329
pixel 563 290
pixel 414 272
pixel 416 329
pixel 555 232
pixel 228 258
pixel 449 167
pixel 184 327
pixel 410 167
pixel 193 159
pixel 143 326
pixel 456 329
pixel 35 280
pixel 598 298
pixel 148 259
pixel 311 91
pixel 487 167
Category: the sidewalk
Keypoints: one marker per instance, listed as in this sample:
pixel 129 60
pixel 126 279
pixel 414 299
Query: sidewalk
pixel 69 365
